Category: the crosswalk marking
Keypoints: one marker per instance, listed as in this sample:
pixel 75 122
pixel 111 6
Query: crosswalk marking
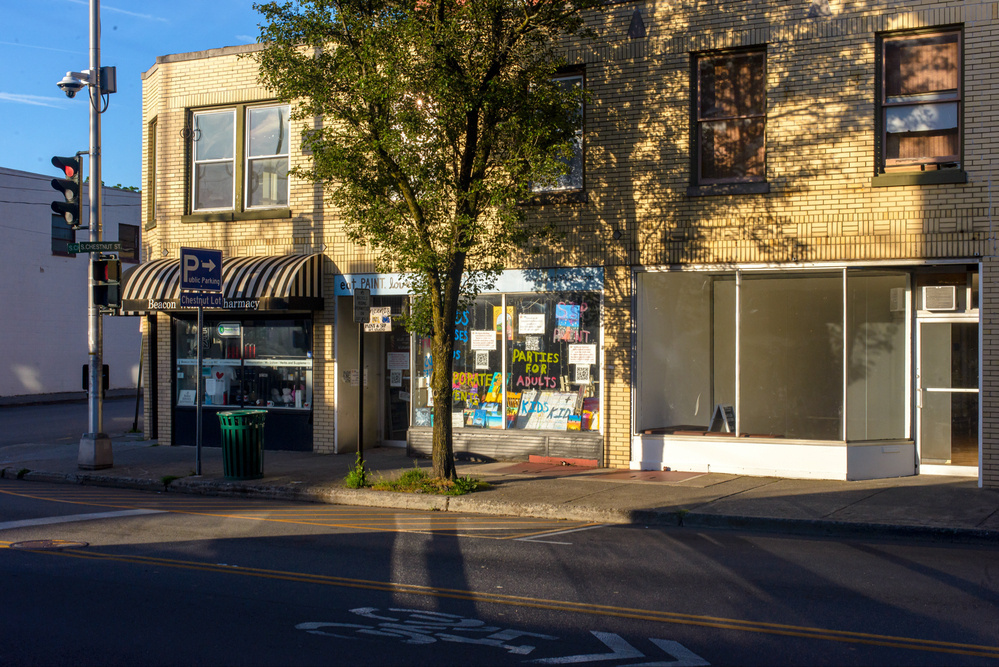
pixel 305 514
pixel 70 518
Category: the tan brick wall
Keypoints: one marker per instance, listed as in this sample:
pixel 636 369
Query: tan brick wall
pixel 820 156
pixel 990 373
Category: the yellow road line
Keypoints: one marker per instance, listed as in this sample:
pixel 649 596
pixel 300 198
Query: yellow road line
pixel 822 634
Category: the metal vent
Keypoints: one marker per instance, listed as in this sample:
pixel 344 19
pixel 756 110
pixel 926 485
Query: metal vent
pixel 940 297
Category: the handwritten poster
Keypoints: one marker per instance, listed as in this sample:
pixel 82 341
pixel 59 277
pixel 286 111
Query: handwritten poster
pixel 398 361
pixel 583 354
pixel 531 323
pixel 483 339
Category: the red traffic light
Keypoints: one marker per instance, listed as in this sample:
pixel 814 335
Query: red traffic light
pixel 69 165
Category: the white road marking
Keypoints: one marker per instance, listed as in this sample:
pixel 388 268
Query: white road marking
pixel 70 518
pixel 620 650
pixel 560 532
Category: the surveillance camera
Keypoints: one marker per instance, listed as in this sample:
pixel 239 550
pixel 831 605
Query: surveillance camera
pixel 72 83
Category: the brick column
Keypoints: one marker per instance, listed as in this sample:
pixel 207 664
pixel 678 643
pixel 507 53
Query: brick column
pixel 616 410
pixel 989 307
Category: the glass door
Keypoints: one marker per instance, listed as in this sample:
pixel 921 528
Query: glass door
pixel 393 350
pixel 947 393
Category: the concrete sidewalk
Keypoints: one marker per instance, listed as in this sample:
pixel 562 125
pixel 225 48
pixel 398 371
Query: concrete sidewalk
pixel 927 506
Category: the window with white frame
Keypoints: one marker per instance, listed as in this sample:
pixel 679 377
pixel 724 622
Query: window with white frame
pixel 240 158
pixel 920 101
pixel 267 157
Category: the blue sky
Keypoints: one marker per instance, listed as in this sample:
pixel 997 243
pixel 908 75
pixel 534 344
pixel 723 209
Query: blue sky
pixel 41 40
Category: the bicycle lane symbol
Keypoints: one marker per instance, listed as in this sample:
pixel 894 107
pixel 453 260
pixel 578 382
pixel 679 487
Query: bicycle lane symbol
pixel 418 627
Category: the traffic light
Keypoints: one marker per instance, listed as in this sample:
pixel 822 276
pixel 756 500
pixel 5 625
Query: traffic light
pixel 69 207
pixel 107 282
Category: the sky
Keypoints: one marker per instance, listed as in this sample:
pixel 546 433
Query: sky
pixel 41 40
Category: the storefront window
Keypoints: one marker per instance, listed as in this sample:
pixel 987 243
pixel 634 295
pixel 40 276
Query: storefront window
pixel 791 356
pixel 687 331
pixel 540 350
pixel 876 352
pixel 553 361
pixel 782 335
pixel 246 363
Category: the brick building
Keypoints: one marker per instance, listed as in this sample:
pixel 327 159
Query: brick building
pixel 778 260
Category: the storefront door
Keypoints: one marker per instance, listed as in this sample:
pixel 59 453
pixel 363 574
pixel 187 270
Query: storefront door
pixel 394 371
pixel 947 396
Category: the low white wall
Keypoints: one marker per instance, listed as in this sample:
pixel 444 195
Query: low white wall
pixel 757 457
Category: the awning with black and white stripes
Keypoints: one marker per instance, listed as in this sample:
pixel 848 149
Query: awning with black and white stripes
pixel 283 282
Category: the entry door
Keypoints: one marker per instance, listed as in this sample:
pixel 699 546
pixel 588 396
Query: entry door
pixel 947 393
pixel 394 376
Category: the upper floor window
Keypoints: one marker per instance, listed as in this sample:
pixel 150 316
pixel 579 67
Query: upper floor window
pixel 572 179
pixel 240 158
pixel 730 118
pixel 920 102
pixel 267 157
pixel 128 236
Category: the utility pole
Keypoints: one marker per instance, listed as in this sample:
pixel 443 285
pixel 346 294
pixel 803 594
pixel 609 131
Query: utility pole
pixel 95 446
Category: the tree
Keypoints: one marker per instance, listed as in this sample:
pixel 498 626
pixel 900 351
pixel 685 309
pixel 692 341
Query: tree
pixel 435 119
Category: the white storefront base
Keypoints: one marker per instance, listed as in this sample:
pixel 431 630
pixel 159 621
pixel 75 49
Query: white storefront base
pixel 774 458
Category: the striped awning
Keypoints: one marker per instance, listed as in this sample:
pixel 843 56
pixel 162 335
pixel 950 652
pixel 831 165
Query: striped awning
pixel 284 282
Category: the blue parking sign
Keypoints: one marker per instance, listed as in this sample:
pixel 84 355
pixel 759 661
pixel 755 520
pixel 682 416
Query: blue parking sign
pixel 201 269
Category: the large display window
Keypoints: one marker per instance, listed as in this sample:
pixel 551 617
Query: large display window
pixel 817 355
pixel 259 363
pixel 522 361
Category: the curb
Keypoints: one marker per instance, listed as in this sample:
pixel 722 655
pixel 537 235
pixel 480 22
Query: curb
pixel 336 495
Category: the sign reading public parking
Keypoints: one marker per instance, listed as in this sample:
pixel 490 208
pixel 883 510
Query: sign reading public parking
pixel 201 269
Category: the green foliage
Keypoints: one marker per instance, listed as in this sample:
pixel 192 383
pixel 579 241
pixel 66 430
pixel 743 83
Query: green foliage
pixel 357 477
pixel 167 480
pixel 22 472
pixel 436 118
pixel 418 480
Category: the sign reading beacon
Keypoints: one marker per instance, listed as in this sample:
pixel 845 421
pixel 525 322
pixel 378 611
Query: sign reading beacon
pixel 201 269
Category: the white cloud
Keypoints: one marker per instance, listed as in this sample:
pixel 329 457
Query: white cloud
pixel 34 100
pixel 115 10
pixel 44 48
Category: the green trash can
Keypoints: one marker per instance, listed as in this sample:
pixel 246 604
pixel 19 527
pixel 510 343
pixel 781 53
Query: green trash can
pixel 243 443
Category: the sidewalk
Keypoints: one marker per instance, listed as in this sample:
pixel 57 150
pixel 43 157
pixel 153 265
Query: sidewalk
pixel 926 506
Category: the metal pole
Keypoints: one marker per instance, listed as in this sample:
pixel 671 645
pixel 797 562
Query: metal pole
pixel 360 392
pixel 95 446
pixel 201 387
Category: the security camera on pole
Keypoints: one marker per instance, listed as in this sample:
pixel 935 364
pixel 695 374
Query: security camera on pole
pixel 95 446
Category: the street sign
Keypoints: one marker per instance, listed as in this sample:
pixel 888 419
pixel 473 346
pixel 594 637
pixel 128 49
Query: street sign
pixel 362 305
pixel 201 269
pixel 94 246
pixel 204 300
pixel 380 321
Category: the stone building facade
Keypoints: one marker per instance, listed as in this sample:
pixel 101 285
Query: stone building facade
pixel 780 231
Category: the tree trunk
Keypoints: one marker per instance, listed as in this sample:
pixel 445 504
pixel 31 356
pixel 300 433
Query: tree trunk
pixel 442 348
pixel 440 383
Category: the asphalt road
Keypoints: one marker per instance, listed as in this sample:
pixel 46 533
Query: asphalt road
pixel 62 422
pixel 109 576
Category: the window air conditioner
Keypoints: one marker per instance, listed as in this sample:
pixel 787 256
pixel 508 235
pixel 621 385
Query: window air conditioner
pixel 897 299
pixel 940 297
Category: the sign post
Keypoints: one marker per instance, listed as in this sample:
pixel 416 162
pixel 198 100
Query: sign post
pixel 362 313
pixel 200 271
